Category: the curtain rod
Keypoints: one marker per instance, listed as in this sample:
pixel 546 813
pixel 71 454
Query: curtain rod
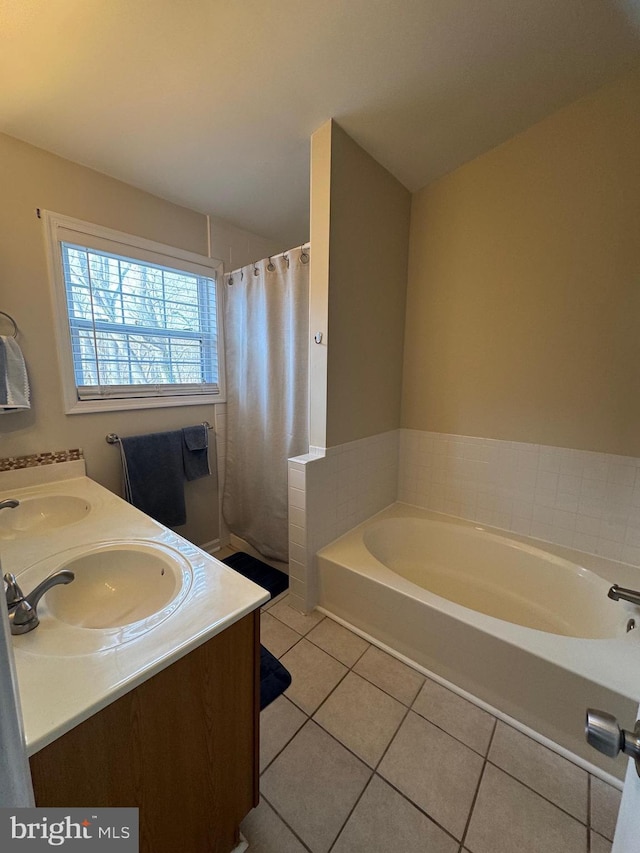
pixel 306 245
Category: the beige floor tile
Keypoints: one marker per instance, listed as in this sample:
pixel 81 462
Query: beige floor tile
pixel 540 768
pixel 605 804
pixel 599 844
pixel 278 723
pixel 390 674
pixel 223 553
pixel 342 644
pixel 314 784
pixel 275 635
pixel 385 822
pixel 438 773
pixel 455 715
pixel 266 833
pixel 362 717
pixel 300 622
pixel 508 818
pixel 314 674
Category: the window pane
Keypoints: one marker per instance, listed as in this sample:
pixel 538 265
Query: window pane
pixel 135 323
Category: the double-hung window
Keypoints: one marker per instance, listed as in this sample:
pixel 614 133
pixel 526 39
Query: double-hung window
pixel 137 321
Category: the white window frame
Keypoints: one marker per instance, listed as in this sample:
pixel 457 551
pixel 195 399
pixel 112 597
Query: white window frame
pixel 91 235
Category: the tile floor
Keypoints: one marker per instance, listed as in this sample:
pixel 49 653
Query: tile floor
pixel 363 754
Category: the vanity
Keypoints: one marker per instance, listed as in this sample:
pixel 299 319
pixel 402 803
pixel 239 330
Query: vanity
pixel 140 686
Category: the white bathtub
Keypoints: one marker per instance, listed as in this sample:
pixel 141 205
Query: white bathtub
pixel 522 629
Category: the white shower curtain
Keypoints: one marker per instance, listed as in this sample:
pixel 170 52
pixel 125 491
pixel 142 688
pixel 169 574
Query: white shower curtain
pixel 266 324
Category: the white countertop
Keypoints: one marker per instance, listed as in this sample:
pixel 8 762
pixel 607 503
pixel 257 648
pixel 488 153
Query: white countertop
pixel 64 675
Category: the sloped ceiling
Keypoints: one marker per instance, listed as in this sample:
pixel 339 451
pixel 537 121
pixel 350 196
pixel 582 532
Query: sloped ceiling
pixel 210 103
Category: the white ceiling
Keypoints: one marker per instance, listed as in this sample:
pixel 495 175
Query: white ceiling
pixel 210 103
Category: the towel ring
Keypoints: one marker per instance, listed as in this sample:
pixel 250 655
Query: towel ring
pixel 14 334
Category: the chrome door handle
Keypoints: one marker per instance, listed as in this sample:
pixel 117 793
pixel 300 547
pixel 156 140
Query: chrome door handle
pixel 604 734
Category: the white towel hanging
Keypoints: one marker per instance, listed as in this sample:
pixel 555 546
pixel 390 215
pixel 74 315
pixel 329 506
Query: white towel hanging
pixel 15 394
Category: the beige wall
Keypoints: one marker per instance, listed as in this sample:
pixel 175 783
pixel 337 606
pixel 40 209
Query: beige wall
pixel 523 305
pixel 367 271
pixel 32 178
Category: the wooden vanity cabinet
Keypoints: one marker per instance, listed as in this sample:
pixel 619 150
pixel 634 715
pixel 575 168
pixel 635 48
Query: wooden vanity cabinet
pixel 182 747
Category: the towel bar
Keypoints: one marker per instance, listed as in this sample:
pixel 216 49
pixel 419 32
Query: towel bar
pixel 14 333
pixel 114 438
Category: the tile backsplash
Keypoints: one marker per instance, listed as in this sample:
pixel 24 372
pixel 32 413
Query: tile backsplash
pixel 581 499
pixel 33 460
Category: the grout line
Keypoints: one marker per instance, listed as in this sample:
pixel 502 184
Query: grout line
pixel 455 737
pixel 475 796
pixel 589 783
pixel 535 791
pixel 415 805
pixel 348 817
pixel 275 810
pixel 285 745
pixel 307 637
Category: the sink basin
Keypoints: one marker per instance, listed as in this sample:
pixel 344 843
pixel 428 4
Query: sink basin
pixel 41 514
pixel 120 584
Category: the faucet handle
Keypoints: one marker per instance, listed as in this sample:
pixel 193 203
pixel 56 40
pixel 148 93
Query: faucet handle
pixel 23 618
pixel 12 590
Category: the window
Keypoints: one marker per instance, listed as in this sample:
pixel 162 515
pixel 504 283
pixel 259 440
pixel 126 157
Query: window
pixel 137 321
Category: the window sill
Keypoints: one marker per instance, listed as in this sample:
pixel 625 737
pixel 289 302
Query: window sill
pixel 80 407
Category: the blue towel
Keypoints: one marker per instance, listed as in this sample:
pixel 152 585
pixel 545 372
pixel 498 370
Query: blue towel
pixel 195 452
pixel 154 476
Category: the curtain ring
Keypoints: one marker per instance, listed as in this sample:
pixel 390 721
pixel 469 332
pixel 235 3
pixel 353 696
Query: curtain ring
pixel 230 282
pixel 271 266
pixel 256 271
pixel 286 258
pixel 241 275
pixel 304 255
pixel 14 334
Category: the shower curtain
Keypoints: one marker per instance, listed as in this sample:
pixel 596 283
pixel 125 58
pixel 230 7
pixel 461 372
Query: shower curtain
pixel 266 324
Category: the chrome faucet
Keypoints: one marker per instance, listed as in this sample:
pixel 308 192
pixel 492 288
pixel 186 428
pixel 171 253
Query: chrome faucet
pixel 618 592
pixel 10 503
pixel 23 616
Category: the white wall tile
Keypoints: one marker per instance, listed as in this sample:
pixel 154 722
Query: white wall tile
pixel 582 499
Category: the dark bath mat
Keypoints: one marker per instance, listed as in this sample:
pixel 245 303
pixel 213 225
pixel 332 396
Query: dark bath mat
pixel 274 678
pixel 273 580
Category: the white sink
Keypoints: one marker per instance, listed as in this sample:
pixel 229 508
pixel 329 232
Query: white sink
pixel 41 514
pixel 121 590
pixel 116 585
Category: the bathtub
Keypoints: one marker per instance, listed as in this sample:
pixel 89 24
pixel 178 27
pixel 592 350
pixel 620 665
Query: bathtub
pixel 526 631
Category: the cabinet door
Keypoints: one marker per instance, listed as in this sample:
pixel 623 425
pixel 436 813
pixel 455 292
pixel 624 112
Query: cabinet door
pixel 182 747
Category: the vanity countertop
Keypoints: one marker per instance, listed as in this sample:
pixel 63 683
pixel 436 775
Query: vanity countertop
pixel 67 673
